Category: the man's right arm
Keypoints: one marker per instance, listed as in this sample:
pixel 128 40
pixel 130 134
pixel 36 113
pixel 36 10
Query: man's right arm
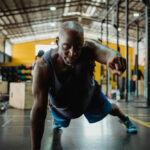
pixel 115 62
pixel 40 88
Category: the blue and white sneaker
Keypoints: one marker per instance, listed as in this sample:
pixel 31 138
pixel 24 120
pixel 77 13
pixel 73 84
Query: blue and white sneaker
pixel 130 127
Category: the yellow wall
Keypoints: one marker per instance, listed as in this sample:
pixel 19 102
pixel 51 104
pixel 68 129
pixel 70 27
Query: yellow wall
pixel 97 72
pixel 24 53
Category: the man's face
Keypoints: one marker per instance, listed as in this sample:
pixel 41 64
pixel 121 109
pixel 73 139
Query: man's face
pixel 70 44
pixel 38 58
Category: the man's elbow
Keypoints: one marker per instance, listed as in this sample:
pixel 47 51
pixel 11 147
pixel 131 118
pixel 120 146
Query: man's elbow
pixel 88 43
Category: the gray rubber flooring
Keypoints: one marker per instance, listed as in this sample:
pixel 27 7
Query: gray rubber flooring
pixel 107 134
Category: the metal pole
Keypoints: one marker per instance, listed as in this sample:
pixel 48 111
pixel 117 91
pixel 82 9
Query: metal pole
pixel 107 76
pixel 147 12
pixel 107 22
pixel 129 84
pixel 101 66
pixel 137 56
pixel 127 20
pixel 111 8
pixel 102 31
pixel 117 38
pixel 4 53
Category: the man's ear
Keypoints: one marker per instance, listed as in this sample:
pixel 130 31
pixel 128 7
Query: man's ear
pixel 57 39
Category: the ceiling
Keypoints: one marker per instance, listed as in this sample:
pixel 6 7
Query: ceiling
pixel 29 20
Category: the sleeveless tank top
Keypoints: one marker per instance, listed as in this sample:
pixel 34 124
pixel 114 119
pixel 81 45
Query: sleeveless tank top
pixel 71 99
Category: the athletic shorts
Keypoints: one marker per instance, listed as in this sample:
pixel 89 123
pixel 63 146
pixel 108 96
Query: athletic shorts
pixel 97 110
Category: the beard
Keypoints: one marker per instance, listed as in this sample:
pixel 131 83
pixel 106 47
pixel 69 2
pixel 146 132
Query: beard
pixel 69 61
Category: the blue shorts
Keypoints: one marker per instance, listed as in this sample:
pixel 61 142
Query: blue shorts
pixel 97 110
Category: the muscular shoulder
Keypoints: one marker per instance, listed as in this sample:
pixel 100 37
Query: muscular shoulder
pixel 42 75
pixel 42 68
pixel 90 44
pixel 95 48
pixel 88 49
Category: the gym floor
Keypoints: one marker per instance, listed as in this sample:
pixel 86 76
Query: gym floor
pixel 108 134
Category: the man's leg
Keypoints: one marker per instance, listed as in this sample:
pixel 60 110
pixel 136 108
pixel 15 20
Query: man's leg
pixel 100 107
pixel 57 131
pixel 59 122
pixel 117 112
pixel 125 120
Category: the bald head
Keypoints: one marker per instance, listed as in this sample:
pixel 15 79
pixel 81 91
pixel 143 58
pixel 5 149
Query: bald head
pixel 71 26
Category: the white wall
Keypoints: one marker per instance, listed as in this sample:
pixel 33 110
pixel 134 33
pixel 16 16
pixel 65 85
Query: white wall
pixel 8 48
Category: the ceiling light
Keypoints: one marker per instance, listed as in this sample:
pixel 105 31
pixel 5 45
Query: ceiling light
pixel 119 29
pixel 52 43
pixel 71 13
pixel 53 24
pixel 136 14
pixel 52 8
pixel 42 25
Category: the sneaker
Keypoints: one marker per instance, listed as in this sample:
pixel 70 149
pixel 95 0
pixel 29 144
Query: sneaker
pixel 130 127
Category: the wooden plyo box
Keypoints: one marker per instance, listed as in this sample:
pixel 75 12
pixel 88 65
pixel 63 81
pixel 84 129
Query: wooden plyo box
pixel 20 95
pixel 3 87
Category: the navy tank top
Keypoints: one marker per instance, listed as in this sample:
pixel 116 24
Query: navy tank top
pixel 71 98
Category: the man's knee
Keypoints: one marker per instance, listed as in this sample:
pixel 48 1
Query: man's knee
pixel 115 110
pixel 59 124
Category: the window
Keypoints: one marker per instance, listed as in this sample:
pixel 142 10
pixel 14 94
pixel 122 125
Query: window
pixel 45 48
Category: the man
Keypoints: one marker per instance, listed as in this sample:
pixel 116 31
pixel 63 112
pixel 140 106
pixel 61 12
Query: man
pixel 64 76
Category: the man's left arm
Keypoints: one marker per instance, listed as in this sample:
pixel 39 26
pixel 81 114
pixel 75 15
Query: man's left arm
pixel 115 62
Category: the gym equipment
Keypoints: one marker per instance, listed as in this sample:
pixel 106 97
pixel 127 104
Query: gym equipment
pixel 16 73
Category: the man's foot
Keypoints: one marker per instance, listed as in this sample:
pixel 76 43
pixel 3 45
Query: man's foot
pixel 130 127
